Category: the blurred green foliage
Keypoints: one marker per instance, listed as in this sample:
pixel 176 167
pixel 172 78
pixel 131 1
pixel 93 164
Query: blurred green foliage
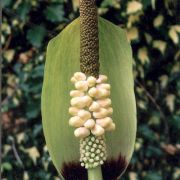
pixel 153 28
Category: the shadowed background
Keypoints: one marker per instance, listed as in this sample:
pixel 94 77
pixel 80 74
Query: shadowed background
pixel 154 32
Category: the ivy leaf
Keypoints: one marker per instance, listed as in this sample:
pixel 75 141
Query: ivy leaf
pixel 163 81
pixel 23 10
pixel 170 98
pixel 146 3
pixel 25 175
pixel 160 45
pixel 6 166
pixel 133 7
pixel 37 71
pixel 143 55
pixel 132 34
pixel 75 4
pixel 152 176
pixel 175 122
pixel 33 153
pixel 158 21
pixel 54 13
pixel 20 137
pixel 110 3
pixel 173 33
pixel 9 55
pixel 153 151
pixel 36 35
pixel 146 132
pixel 33 109
pixel 6 3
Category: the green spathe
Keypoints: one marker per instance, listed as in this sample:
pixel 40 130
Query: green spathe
pixel 63 58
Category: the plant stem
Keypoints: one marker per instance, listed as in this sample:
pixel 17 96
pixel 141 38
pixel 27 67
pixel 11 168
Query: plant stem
pixel 95 173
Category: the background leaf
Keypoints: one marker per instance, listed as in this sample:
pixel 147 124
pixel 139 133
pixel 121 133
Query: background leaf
pixel 54 13
pixel 36 35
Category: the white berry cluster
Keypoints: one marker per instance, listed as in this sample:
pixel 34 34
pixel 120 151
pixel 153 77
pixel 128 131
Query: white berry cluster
pixel 93 151
pixel 90 106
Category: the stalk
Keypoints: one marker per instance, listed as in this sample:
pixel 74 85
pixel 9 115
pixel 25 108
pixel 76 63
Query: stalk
pixel 95 173
pixel 89 55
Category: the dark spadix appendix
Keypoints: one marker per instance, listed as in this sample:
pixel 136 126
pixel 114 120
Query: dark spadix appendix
pixel 88 106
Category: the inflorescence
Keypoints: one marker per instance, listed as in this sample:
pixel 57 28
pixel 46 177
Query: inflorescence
pixel 92 151
pixel 91 110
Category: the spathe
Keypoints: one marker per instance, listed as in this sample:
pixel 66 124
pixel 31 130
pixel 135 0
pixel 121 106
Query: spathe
pixel 62 61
